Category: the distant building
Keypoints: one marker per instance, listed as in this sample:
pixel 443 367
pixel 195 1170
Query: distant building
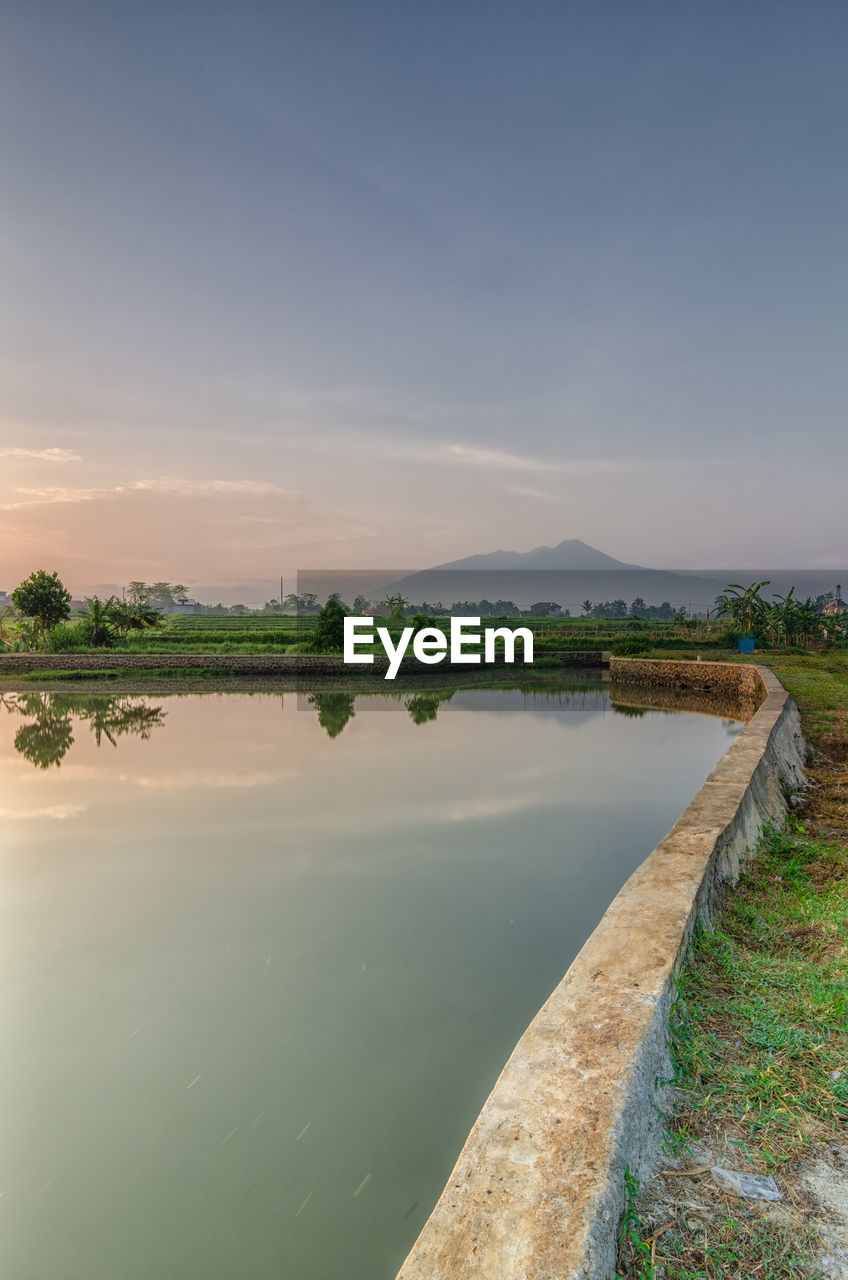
pixel 546 609
pixel 5 599
pixel 183 606
pixel 836 608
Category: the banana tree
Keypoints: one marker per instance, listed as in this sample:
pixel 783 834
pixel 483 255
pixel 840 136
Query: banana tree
pixel 744 606
pixel 8 617
pixel 395 604
pixel 96 616
pixel 124 617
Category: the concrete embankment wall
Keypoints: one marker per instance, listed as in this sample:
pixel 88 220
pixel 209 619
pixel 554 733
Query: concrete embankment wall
pixel 538 1190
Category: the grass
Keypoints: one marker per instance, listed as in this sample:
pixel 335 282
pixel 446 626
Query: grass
pixel 759 1035
pixel 690 1246
pixel 762 1023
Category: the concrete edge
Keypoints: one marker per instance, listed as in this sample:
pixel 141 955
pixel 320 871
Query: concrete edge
pixel 538 1190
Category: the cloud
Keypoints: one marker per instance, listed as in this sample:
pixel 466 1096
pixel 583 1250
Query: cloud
pixel 56 811
pixel 447 453
pixel 201 779
pixel 51 493
pixel 488 459
pixel 43 455
pixel 531 493
pixel 203 488
pixel 173 486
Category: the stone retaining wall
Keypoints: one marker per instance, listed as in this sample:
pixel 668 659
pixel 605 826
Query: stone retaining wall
pixel 733 678
pixel 538 1190
pixel 277 664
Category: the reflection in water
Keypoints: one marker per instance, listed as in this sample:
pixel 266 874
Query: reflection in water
pixel 49 734
pixel 257 986
pixel 334 710
pixel 424 707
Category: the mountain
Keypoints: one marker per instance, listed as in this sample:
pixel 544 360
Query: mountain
pixel 571 554
pixel 567 574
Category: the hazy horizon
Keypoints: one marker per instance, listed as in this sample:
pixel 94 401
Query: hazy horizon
pixel 291 287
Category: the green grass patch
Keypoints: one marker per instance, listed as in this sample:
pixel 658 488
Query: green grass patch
pixel 762 1023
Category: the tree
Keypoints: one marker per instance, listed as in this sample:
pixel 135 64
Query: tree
pixel 162 594
pixel 328 636
pixel 744 606
pixel 43 597
pixel 128 617
pixel 361 603
pixel 7 617
pixel 138 593
pixel 395 604
pixel 586 606
pixel 97 618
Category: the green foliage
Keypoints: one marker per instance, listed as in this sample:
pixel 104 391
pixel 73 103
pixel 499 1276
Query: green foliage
pixel 305 603
pixel 43 598
pixel 395 604
pixel 67 637
pixel 51 717
pixel 630 645
pixel 96 619
pixel 634 1251
pixel 7 621
pixel 773 971
pixel 328 636
pixel 334 711
pixel 157 595
pixel 423 708
pixel 780 621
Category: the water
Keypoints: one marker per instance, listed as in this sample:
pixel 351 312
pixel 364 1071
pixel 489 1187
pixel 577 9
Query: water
pixel 263 960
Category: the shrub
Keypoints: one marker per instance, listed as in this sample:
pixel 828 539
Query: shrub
pixel 630 645
pixel 67 637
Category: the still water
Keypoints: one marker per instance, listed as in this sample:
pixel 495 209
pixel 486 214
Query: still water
pixel 263 956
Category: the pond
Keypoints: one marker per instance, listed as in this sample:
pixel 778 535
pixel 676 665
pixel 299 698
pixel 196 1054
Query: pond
pixel 264 955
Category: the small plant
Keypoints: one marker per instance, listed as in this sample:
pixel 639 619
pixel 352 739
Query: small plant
pixel 634 1253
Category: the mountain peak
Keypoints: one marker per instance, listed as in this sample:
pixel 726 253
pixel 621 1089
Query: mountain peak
pixel 570 554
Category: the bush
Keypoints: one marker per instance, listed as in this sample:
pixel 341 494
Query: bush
pixel 67 637
pixel 630 645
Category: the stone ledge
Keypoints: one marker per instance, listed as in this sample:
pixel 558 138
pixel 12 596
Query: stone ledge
pixel 277 664
pixel 538 1190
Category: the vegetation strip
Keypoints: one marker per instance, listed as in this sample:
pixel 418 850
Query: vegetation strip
pixel 759 1039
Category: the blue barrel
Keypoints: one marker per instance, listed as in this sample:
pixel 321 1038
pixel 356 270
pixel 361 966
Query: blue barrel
pixel 746 644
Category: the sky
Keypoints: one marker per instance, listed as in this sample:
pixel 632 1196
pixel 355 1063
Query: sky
pixel 296 285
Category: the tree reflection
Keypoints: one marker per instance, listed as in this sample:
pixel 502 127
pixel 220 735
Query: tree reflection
pixel 422 708
pixel 45 742
pixel 49 733
pixel 334 710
